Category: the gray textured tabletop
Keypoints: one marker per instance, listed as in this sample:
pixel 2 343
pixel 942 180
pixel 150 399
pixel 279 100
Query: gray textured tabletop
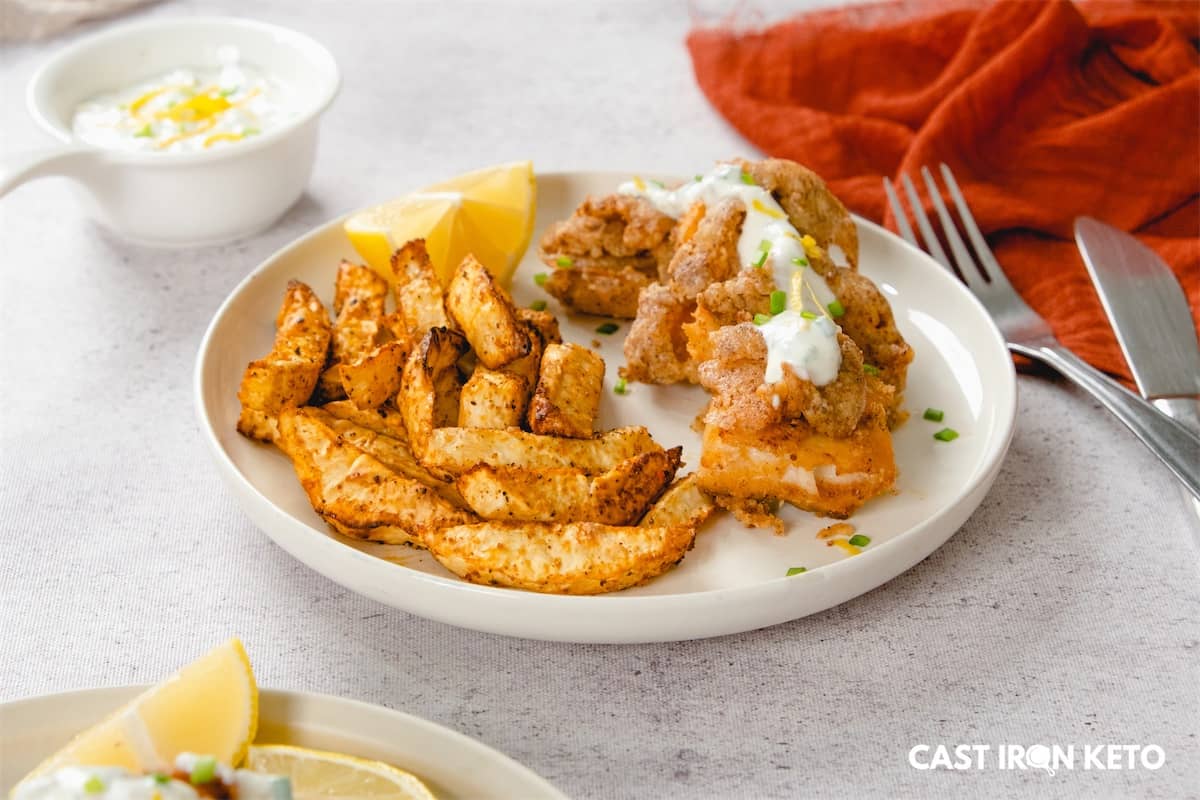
pixel 1066 611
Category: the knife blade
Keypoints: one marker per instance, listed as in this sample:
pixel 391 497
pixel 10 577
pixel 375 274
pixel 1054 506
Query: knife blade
pixel 1147 309
pixel 1136 286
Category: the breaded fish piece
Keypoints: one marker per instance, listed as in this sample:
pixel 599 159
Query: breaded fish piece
pixel 598 290
pixel 709 253
pixel 656 348
pixel 792 462
pixel 734 376
pixel 345 484
pixel 563 558
pixel 811 207
pixel 287 375
pixel 869 321
pixel 610 232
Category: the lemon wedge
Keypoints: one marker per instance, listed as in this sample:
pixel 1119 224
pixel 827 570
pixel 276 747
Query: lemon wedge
pixel 316 774
pixel 210 706
pixel 488 213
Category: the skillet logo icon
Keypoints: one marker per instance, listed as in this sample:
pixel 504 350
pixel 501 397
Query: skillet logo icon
pixel 1050 759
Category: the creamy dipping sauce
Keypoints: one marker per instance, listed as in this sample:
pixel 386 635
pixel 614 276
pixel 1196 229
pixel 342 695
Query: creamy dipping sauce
pixel 803 335
pixel 118 783
pixel 187 110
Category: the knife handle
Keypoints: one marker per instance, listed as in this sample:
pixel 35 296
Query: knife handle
pixel 1175 445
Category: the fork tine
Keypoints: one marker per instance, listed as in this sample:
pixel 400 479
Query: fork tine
pixel 932 245
pixel 988 264
pixel 962 256
pixel 899 213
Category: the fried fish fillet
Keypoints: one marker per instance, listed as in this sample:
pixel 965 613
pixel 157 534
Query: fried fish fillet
pixel 610 232
pixel 563 558
pixel 598 290
pixel 656 347
pixel 357 490
pixel 811 207
pixel 791 461
pixel 287 375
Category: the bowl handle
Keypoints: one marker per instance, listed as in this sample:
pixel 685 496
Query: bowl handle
pixel 72 162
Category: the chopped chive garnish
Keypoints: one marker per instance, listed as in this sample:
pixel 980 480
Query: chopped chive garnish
pixel 796 570
pixel 564 261
pixel 203 771
pixel 858 540
pixel 746 179
pixel 161 778
pixel 608 327
pixel 621 387
pixel 251 132
pixel 778 301
pixel 659 184
pixel 762 258
pixel 800 261
pixel 227 92
pixel 764 245
pixel 540 279
pixel 836 309
pixel 145 132
pixel 761 319
pixel 870 369
pixel 946 435
pixel 808 315
pixel 699 178
pixel 93 785
pixel 538 305
pixel 934 414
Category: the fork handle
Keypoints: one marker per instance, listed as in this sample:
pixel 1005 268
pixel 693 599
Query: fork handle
pixel 1175 445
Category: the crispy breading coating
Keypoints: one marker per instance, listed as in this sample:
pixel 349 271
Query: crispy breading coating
pixel 656 346
pixel 596 290
pixel 710 253
pixel 734 376
pixel 811 207
pixel 869 321
pixel 611 232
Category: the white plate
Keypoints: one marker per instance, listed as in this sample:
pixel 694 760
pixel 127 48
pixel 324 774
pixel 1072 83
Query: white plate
pixel 734 580
pixel 452 765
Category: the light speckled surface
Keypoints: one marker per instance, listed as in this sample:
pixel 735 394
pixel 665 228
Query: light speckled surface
pixel 1066 611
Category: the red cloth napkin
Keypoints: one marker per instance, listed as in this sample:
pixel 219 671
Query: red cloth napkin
pixel 1044 111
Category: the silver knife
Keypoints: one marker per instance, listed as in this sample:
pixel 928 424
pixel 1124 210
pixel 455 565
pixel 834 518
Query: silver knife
pixel 1150 316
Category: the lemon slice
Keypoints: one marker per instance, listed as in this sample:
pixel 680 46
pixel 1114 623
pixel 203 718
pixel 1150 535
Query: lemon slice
pixel 317 774
pixel 210 706
pixel 488 213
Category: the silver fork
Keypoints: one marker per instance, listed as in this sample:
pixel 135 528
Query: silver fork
pixel 1025 332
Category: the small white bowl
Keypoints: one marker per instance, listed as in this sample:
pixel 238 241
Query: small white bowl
pixel 191 198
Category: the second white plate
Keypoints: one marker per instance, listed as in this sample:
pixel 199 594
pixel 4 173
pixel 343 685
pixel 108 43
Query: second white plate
pixel 734 580
pixel 452 765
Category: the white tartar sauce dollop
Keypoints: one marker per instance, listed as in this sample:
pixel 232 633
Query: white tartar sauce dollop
pixel 187 110
pixel 802 334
